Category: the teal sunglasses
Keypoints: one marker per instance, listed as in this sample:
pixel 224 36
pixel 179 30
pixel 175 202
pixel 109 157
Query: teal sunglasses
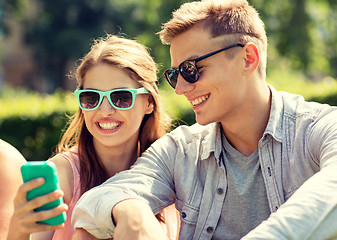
pixel 121 98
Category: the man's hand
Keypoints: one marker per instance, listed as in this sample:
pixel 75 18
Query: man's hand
pixel 135 220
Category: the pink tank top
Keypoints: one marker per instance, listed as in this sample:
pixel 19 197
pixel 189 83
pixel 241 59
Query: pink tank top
pixel 68 230
pixel 169 213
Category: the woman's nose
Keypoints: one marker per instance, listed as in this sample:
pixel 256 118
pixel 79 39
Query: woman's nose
pixel 106 106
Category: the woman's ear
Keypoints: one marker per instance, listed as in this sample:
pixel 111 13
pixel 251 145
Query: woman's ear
pixel 252 58
pixel 150 105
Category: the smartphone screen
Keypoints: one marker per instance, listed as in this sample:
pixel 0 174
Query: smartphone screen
pixel 46 170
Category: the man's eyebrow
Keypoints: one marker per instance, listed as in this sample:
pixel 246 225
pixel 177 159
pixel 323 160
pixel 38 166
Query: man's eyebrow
pixel 187 59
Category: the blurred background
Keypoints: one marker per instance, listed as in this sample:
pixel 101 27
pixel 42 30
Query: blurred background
pixel 41 40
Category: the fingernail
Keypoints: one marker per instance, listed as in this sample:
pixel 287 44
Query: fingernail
pixel 40 180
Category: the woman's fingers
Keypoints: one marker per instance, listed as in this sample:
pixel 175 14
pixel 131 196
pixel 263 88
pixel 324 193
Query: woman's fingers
pixel 44 199
pixel 43 215
pixel 25 219
pixel 21 195
pixel 23 207
pixel 30 221
pixel 25 214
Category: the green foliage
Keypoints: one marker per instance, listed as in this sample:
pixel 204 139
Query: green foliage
pixel 284 78
pixel 304 32
pixel 176 106
pixel 33 122
pixel 34 137
pixel 27 104
pixel 62 31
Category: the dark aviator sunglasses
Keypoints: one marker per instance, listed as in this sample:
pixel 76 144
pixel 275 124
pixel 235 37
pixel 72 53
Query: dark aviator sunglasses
pixel 189 69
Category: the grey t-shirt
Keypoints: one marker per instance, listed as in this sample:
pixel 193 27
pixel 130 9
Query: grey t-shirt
pixel 246 204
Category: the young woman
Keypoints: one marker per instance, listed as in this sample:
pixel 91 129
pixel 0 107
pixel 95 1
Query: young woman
pixel 119 117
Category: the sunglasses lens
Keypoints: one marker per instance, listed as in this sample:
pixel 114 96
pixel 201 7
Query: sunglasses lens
pixel 171 76
pixel 89 100
pixel 121 99
pixel 189 71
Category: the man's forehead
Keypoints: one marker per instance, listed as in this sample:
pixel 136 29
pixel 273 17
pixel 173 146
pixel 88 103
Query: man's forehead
pixel 192 44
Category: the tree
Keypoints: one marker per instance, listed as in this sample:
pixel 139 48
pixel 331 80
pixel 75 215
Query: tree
pixel 302 31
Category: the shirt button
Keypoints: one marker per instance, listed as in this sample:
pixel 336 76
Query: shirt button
pixel 219 191
pixel 209 229
pixel 183 214
pixel 269 171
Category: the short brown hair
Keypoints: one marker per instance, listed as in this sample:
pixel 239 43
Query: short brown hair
pixel 235 18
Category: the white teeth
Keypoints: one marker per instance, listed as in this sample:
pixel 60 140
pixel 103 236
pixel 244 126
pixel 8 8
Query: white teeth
pixel 199 100
pixel 108 125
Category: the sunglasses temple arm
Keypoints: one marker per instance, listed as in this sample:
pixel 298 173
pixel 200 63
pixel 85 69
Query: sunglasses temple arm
pixel 142 90
pixel 220 50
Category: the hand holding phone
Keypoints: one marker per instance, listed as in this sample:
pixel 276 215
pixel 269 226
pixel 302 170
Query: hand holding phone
pixel 46 170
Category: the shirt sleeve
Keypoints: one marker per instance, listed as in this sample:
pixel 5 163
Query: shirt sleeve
pixel 150 180
pixel 311 213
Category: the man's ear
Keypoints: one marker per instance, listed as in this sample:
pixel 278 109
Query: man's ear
pixel 252 58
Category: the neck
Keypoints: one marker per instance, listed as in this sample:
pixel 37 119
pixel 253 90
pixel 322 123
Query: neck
pixel 118 158
pixel 245 128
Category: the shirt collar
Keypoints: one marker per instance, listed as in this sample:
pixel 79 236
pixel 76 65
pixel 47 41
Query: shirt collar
pixel 274 126
pixel 212 142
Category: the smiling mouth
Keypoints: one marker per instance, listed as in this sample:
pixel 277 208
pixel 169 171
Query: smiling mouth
pixel 199 100
pixel 108 126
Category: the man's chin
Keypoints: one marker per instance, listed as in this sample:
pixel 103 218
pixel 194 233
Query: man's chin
pixel 202 121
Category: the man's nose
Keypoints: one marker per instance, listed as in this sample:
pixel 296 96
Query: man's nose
pixel 183 86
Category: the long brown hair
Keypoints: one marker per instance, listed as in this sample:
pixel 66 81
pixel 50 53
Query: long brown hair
pixel 135 59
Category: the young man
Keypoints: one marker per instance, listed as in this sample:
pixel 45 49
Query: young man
pixel 260 164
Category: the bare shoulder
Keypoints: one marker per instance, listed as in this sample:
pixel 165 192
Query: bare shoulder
pixel 10 177
pixel 10 162
pixel 65 176
pixel 61 163
pixel 9 155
